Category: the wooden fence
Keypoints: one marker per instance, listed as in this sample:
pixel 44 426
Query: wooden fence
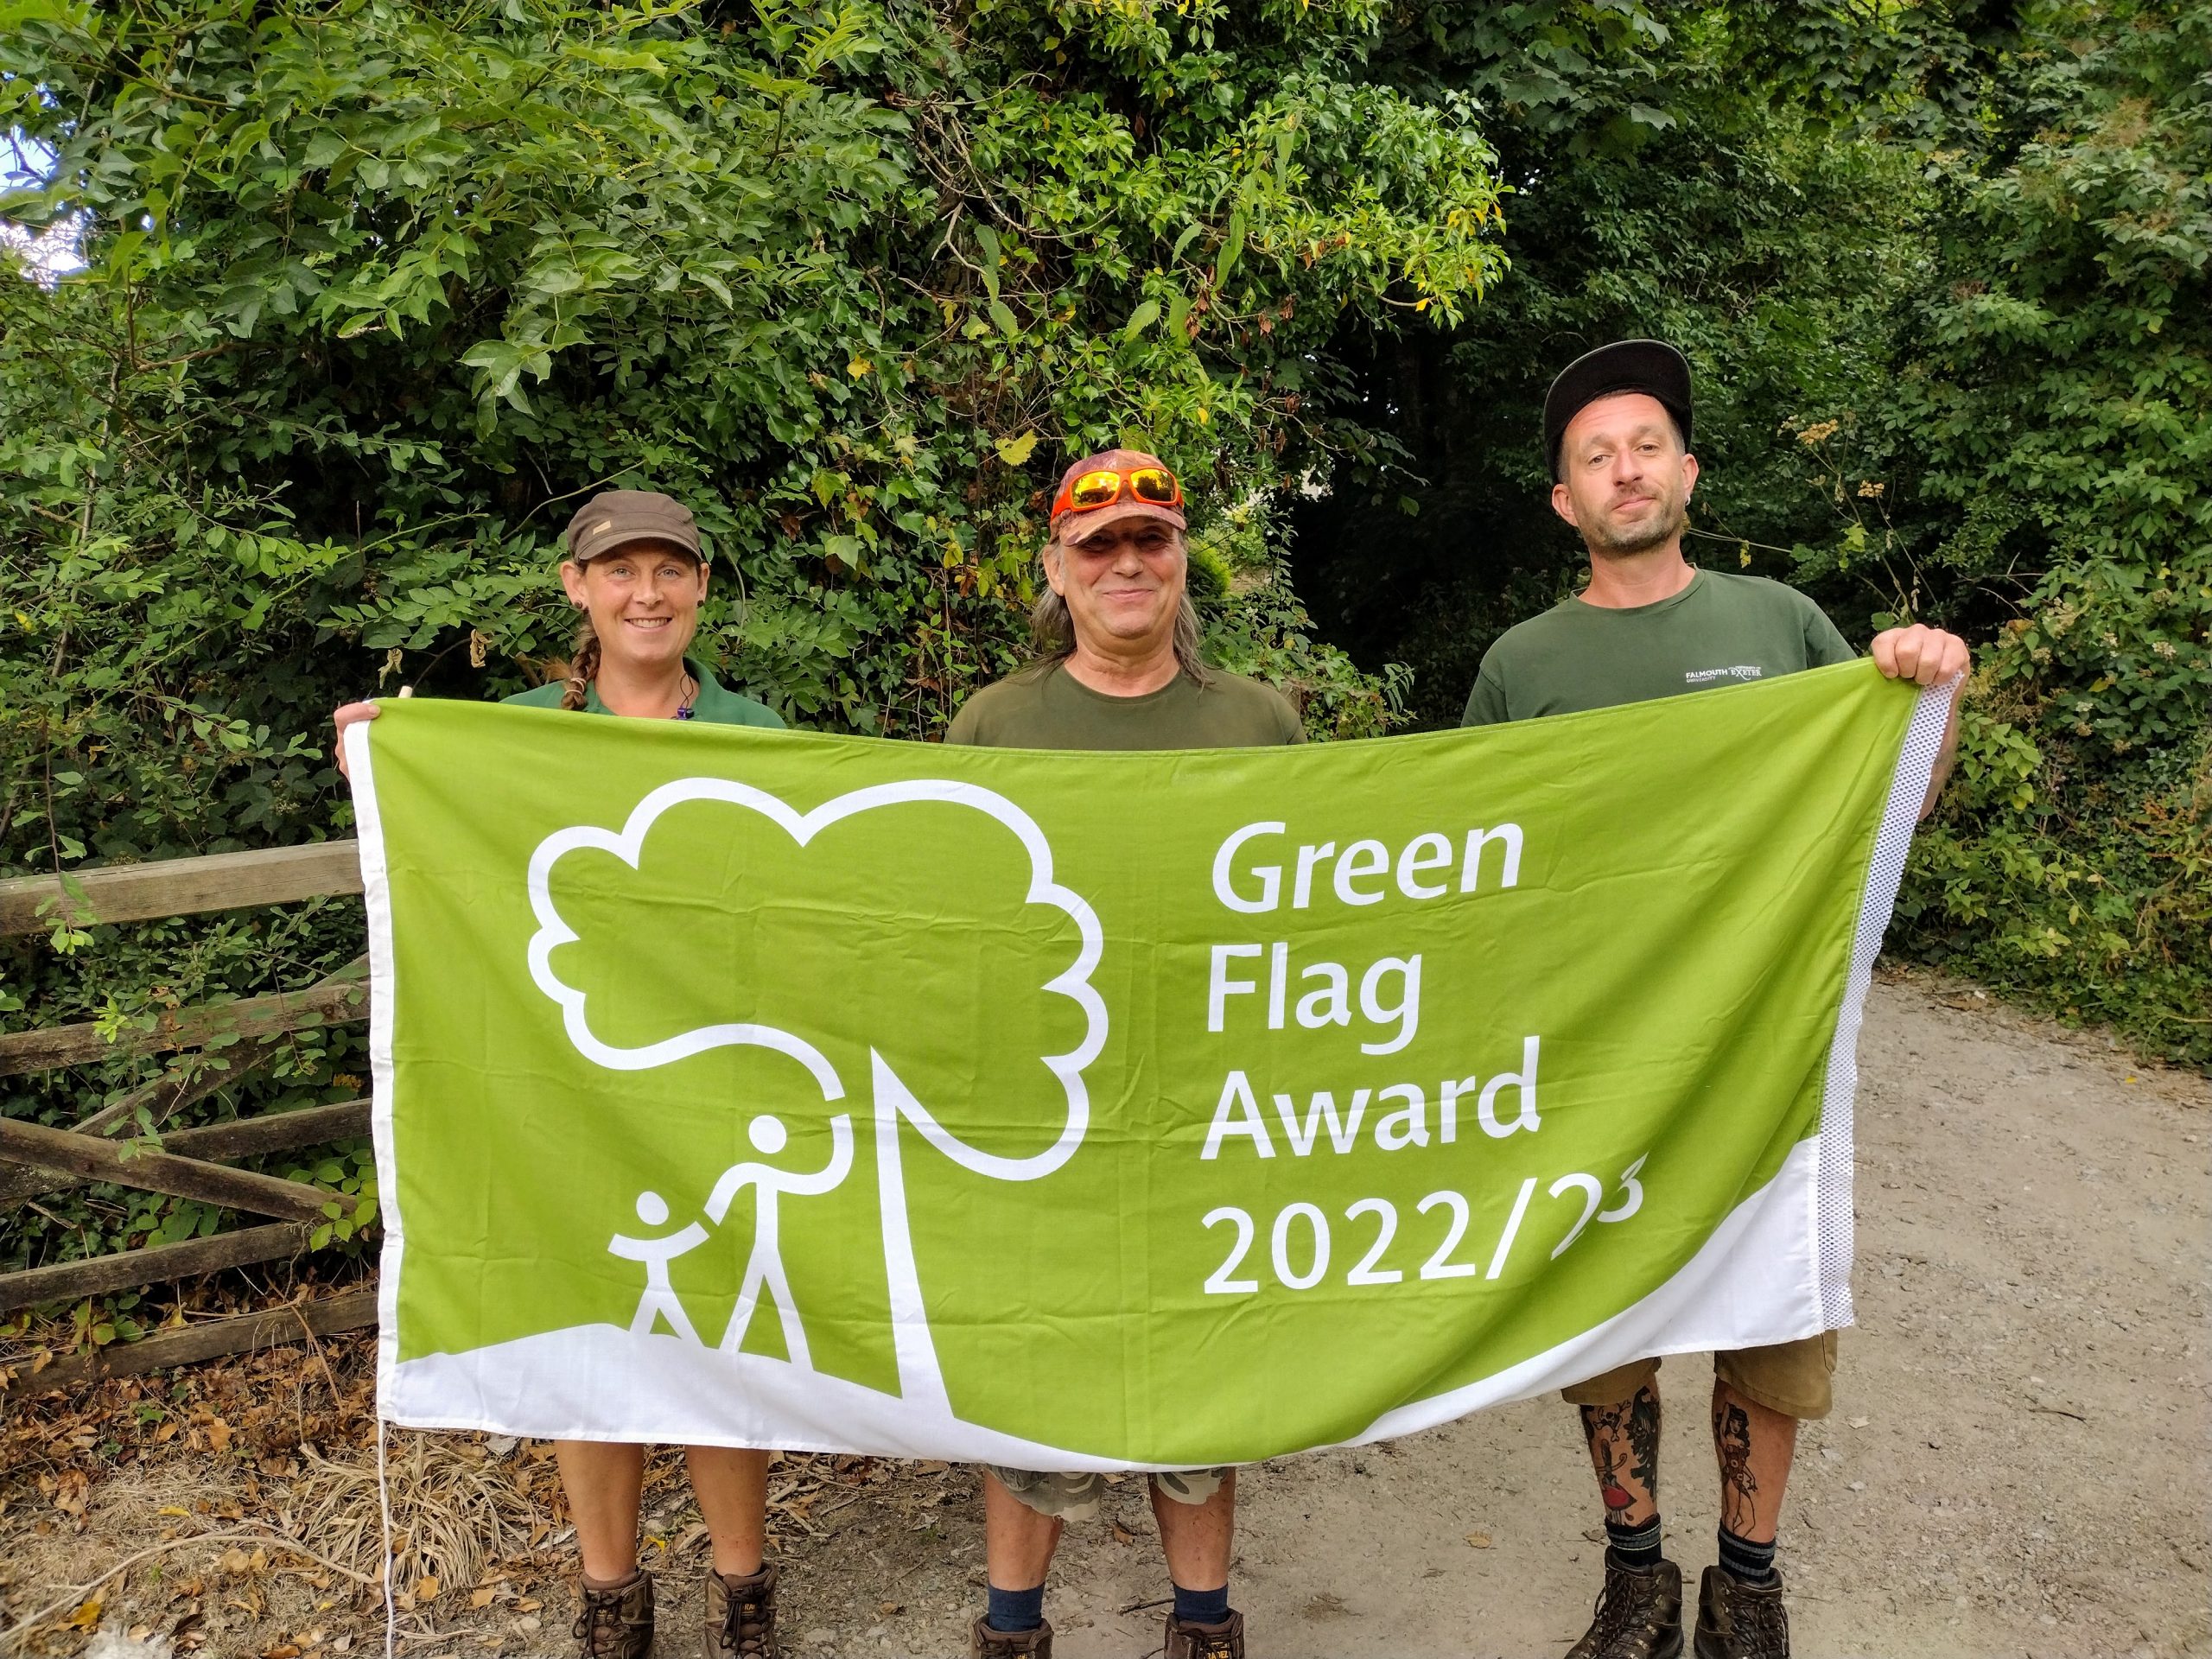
pixel 36 1160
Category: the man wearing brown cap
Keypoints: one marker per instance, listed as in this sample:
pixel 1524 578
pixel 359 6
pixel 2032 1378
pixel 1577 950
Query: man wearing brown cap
pixel 1118 668
pixel 1616 429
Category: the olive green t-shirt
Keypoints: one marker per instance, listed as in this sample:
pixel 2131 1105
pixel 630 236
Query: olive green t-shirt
pixel 715 703
pixel 1720 630
pixel 1047 708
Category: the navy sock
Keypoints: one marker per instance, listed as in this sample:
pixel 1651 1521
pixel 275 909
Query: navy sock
pixel 1743 1560
pixel 1633 1547
pixel 1201 1607
pixel 1012 1611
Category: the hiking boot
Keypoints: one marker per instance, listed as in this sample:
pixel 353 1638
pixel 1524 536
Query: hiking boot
pixel 617 1623
pixel 1737 1620
pixel 1222 1641
pixel 741 1615
pixel 1639 1615
pixel 984 1642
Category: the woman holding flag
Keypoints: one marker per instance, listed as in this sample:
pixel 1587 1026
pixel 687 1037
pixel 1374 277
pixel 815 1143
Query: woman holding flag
pixel 637 571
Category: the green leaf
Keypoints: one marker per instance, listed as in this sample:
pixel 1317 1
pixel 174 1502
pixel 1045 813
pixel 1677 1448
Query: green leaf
pixel 988 240
pixel 1232 249
pixel 1016 451
pixel 1002 315
pixel 1140 319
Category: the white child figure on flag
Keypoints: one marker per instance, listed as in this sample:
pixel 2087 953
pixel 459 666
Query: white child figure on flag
pixel 764 1268
pixel 656 1253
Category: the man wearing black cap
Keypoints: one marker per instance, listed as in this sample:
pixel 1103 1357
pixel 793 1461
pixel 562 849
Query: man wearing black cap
pixel 1616 428
pixel 1118 668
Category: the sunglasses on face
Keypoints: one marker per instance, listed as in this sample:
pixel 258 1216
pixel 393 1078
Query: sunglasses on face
pixel 1102 488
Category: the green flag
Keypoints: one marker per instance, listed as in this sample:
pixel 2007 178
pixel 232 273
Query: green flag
pixel 1073 1110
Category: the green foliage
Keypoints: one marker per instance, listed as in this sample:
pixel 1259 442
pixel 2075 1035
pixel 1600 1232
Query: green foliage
pixel 373 293
pixel 2050 432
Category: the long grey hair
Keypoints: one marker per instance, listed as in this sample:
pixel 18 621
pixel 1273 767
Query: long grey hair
pixel 1052 631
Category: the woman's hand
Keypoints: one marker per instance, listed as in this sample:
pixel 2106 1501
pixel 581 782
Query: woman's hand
pixel 348 714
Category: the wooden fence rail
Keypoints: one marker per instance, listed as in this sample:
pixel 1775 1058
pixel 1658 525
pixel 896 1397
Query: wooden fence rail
pixel 38 1159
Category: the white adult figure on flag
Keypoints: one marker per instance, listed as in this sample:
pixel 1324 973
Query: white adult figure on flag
pixel 764 1267
pixel 656 1253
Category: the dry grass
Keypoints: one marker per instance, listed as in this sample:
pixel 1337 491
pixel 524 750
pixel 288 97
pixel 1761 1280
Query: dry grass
pixel 455 1510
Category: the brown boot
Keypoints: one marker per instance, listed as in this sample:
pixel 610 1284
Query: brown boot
pixel 1639 1615
pixel 617 1623
pixel 1222 1641
pixel 741 1615
pixel 1737 1620
pixel 984 1642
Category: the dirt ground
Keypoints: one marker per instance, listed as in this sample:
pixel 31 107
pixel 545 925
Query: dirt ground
pixel 2018 1462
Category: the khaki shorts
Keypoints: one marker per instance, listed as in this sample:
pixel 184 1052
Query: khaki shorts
pixel 1077 1497
pixel 1794 1378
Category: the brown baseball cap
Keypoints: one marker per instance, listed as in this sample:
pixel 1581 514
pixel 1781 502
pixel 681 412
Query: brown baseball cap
pixel 614 517
pixel 1076 528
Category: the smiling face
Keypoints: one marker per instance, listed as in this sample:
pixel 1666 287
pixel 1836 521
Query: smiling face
pixel 643 598
pixel 1624 477
pixel 1123 586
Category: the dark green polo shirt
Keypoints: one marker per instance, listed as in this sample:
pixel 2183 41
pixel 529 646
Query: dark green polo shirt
pixel 714 704
pixel 1720 630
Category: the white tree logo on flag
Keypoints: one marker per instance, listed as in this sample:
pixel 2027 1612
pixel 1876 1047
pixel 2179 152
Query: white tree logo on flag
pixel 921 1381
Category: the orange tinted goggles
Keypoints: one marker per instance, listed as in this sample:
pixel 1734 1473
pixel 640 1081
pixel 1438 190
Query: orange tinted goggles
pixel 1102 488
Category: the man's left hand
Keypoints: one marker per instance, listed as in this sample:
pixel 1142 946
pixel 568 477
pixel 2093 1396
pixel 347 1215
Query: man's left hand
pixel 1923 655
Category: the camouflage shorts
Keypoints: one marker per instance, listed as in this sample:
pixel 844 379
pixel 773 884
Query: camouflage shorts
pixel 1077 1497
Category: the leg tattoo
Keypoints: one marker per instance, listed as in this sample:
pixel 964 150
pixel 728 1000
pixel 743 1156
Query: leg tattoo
pixel 1625 1450
pixel 1732 1438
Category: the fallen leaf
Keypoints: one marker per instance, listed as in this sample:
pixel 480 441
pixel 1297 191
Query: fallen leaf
pixel 426 1587
pixel 482 1597
pixel 87 1615
pixel 219 1435
pixel 890 1607
pixel 1858 1422
pixel 1479 1540
pixel 1122 1534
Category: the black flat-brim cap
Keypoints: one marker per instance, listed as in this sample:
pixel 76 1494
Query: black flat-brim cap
pixel 1651 366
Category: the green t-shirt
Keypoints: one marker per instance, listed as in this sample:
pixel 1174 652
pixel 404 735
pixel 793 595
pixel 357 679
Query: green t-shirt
pixel 1720 630
pixel 714 704
pixel 1047 708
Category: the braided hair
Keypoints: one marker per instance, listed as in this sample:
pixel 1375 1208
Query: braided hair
pixel 583 665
